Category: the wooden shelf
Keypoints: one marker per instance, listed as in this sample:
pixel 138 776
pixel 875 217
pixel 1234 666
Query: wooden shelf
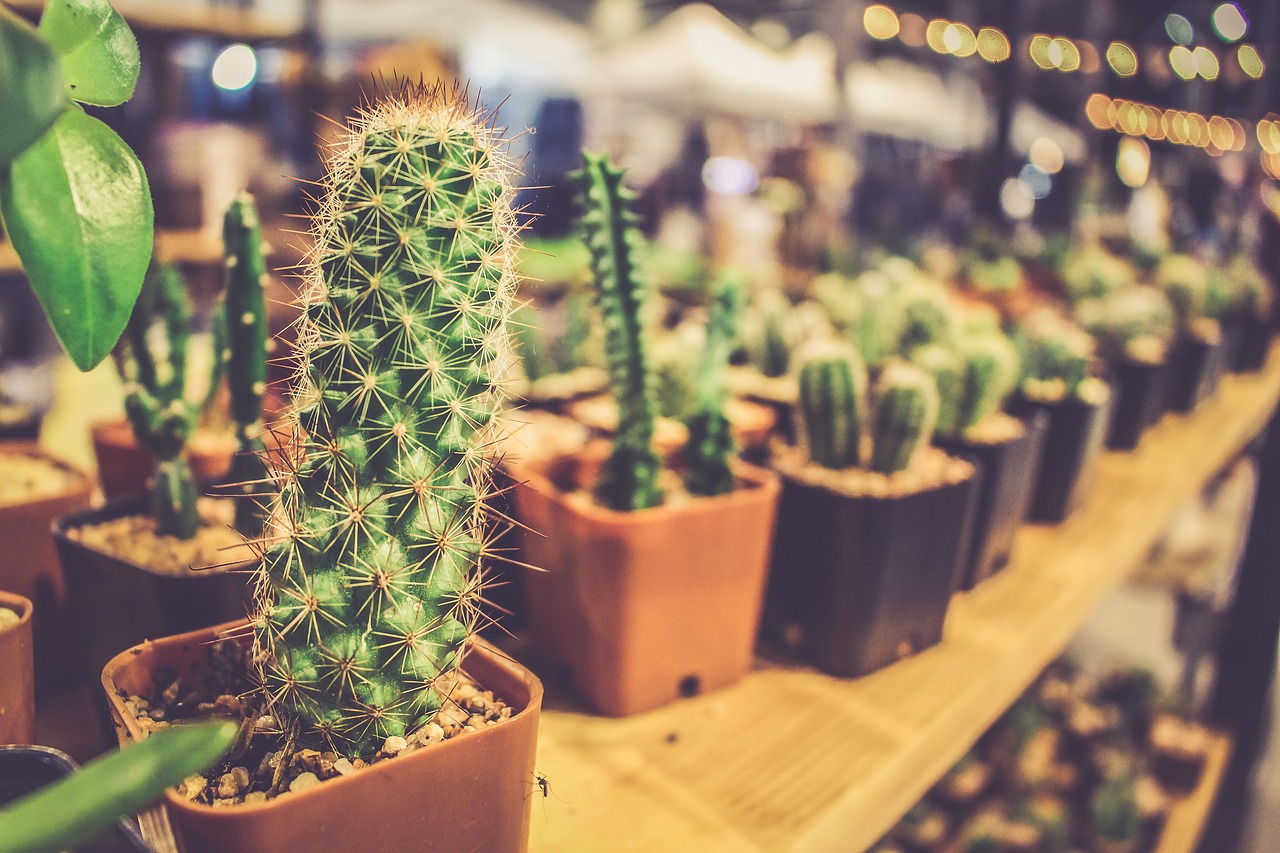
pixel 1189 815
pixel 790 759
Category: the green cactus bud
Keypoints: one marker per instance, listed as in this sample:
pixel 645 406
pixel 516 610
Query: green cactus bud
pixel 906 409
pixel 629 480
pixel 991 370
pixel 372 589
pixel 948 372
pixel 1115 812
pixel 879 320
pixel 711 442
pixel 833 394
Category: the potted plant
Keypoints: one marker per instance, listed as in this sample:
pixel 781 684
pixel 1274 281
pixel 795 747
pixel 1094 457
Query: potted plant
pixel 1116 819
pixel 853 587
pixel 647 597
pixel 1249 313
pixel 371 582
pixel 974 378
pixel 1057 358
pixel 1197 359
pixel 17 688
pixel 135 574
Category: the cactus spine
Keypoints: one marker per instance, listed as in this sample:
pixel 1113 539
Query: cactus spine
pixel 370 591
pixel 991 369
pixel 906 410
pixel 629 480
pixel 711 444
pixel 833 395
pixel 246 354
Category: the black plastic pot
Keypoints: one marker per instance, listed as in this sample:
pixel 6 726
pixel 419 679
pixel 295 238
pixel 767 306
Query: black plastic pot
pixel 860 582
pixel 1194 370
pixel 1140 392
pixel 1255 343
pixel 1073 443
pixel 115 604
pixel 1007 483
pixel 24 769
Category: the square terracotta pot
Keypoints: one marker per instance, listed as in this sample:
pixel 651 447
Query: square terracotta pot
pixel 645 607
pixel 473 792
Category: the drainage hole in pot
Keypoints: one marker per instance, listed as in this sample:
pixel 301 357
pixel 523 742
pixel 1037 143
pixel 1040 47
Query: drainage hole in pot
pixel 690 685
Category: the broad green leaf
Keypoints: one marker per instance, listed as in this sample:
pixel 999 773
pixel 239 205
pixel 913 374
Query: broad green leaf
pixel 32 91
pixel 78 210
pixel 98 51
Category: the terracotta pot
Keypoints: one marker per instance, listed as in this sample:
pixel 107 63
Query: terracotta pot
pixel 1140 390
pixel 1007 483
pixel 469 793
pixel 1255 343
pixel 1194 370
pixel 31 569
pixel 125 468
pixel 1073 444
pixel 25 769
pixel 854 585
pixel 115 603
pixel 645 607
pixel 17 685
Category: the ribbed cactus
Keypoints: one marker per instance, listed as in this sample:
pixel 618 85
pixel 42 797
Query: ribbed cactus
pixel 768 333
pixel 833 402
pixel 1114 808
pixel 991 370
pixel 245 312
pixel 877 329
pixel 370 591
pixel 711 443
pixel 927 314
pixel 629 480
pixel 152 360
pixel 906 409
pixel 946 367
pixel 1056 356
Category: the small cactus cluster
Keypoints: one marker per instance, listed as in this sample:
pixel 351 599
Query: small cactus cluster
pixel 1253 292
pixel 974 377
pixel 1057 357
pixel 629 480
pixel 768 334
pixel 370 582
pixel 1091 272
pixel 846 424
pixel 711 444
pixel 1135 324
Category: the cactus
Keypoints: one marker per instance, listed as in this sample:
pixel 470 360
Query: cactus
pixel 768 333
pixel 371 590
pixel 1091 272
pixel 629 480
pixel 674 357
pixel 927 314
pixel 1137 323
pixel 152 359
pixel 711 444
pixel 245 331
pixel 991 370
pixel 1114 809
pixel 948 372
pixel 1056 355
pixel 833 401
pixel 878 325
pixel 906 409
pixel 1186 282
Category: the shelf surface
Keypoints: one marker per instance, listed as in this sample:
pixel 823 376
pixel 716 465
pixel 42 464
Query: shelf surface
pixel 1187 818
pixel 790 759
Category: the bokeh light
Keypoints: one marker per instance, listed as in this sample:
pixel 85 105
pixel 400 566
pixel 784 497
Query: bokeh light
pixel 1182 61
pixel 1179 29
pixel 993 45
pixel 1250 62
pixel 913 29
pixel 1229 22
pixel 1133 161
pixel 1206 62
pixel 1046 155
pixel 1016 199
pixel 880 22
pixel 235 68
pixel 1122 59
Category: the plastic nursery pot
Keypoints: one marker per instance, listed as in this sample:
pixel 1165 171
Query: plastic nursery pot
pixel 1255 343
pixel 115 603
pixel 1073 443
pixel 17 676
pixel 1140 391
pixel 1194 370
pixel 30 567
pixel 1006 486
pixel 645 607
pixel 473 792
pixel 25 769
pixel 124 468
pixel 860 582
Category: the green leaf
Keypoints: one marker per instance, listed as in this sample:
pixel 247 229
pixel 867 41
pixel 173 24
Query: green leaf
pixel 78 210
pixel 85 804
pixel 98 51
pixel 33 92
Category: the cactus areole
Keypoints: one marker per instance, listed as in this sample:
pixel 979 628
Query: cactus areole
pixel 370 583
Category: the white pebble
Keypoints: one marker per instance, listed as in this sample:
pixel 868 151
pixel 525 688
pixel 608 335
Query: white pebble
pixel 303 782
pixel 393 745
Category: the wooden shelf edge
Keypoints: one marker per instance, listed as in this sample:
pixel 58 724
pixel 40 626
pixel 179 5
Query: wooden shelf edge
pixel 1187 818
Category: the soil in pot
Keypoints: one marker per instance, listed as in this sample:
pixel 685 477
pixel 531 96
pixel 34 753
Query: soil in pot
pixel 1073 444
pixel 854 585
pixel 17 675
pixel 1140 390
pixel 276 792
pixel 1007 453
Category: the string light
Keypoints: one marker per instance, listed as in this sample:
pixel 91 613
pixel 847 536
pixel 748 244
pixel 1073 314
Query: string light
pixel 881 22
pixel 1122 59
pixel 1206 62
pixel 1215 134
pixel 1250 61
pixel 1182 61
pixel 993 45
pixel 1229 22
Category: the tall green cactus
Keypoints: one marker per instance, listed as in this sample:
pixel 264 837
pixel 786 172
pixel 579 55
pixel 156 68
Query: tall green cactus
pixel 906 409
pixel 991 370
pixel 949 376
pixel 711 443
pixel 245 313
pixel 833 401
pixel 372 589
pixel 877 329
pixel 629 480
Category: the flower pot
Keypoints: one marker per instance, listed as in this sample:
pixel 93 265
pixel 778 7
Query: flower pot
pixel 1007 478
pixel 125 468
pixel 1194 370
pixel 1140 391
pixel 1255 343
pixel 647 606
pixel 18 422
pixel 114 603
pixel 473 792
pixel 31 569
pixel 25 769
pixel 1073 443
pixel 860 582
pixel 17 685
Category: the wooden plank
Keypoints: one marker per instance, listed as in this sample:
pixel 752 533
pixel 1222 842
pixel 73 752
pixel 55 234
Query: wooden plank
pixel 1187 818
pixel 791 759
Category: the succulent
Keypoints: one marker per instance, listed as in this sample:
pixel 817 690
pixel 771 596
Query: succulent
pixel 991 371
pixel 927 312
pixel 903 417
pixel 1000 275
pixel 832 405
pixel 1115 812
pixel 711 443
pixel 675 361
pixel 1056 357
pixel 629 480
pixel 370 590
pixel 1091 271
pixel 947 368
pixel 839 299
pixel 877 323
pixel 1185 281
pixel 767 333
pixel 1137 324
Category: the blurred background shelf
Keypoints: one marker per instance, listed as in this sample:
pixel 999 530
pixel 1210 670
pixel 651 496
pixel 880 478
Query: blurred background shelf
pixel 791 759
